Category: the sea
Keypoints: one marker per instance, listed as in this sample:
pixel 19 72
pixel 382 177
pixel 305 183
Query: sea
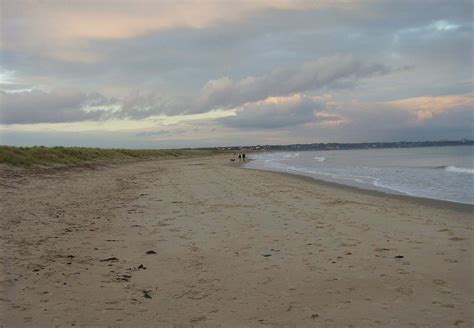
pixel 443 173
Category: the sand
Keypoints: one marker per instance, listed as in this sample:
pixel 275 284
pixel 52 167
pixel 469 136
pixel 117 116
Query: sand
pixel 200 243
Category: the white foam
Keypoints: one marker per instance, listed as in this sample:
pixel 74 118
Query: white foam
pixel 459 169
pixel 320 159
pixel 291 155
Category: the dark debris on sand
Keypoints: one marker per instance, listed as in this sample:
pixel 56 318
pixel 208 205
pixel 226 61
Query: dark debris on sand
pixel 110 259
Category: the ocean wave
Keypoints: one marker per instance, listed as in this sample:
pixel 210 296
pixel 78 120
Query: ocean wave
pixel 320 159
pixel 293 155
pixel 459 169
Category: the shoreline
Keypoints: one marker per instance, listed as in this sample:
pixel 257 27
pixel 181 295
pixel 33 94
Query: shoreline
pixel 438 203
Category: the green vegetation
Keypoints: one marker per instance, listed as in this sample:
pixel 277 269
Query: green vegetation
pixel 66 156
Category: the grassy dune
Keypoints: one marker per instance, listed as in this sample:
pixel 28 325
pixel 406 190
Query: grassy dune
pixel 49 156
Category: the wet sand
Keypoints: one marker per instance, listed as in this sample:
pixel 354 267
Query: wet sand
pixel 200 243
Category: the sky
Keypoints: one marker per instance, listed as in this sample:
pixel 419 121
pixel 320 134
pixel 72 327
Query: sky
pixel 174 74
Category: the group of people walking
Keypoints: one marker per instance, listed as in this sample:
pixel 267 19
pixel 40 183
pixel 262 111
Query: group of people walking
pixel 241 157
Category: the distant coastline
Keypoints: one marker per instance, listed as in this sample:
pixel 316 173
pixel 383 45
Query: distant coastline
pixel 347 146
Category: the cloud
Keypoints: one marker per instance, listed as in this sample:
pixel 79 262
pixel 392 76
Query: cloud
pixel 410 118
pixel 327 72
pixel 182 58
pixel 261 94
pixel 322 112
pixel 42 107
pixel 37 106
pixel 139 104
pixel 415 118
pixel 427 108
pixel 276 112
pixel 70 26
pixel 32 106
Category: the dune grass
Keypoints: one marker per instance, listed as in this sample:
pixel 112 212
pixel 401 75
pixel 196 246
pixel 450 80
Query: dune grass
pixel 66 156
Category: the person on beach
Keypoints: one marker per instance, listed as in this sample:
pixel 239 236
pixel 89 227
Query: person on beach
pixel 243 157
pixel 240 157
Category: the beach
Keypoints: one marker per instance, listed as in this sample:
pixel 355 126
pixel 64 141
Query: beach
pixel 202 242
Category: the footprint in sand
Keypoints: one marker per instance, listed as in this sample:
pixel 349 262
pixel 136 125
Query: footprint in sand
pixel 439 282
pixel 450 260
pixel 404 290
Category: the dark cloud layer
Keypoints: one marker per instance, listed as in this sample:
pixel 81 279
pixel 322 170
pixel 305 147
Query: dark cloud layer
pixel 323 73
pixel 36 106
pixel 329 73
pixel 275 113
pixel 55 107
pixel 138 105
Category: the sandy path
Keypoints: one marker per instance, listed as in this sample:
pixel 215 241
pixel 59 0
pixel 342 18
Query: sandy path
pixel 234 248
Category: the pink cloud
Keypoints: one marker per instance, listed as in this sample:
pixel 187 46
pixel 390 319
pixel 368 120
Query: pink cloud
pixel 426 108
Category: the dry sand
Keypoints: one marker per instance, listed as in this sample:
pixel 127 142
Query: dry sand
pixel 234 248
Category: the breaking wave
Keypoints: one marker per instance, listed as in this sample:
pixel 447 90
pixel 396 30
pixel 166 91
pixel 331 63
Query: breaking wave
pixel 459 169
